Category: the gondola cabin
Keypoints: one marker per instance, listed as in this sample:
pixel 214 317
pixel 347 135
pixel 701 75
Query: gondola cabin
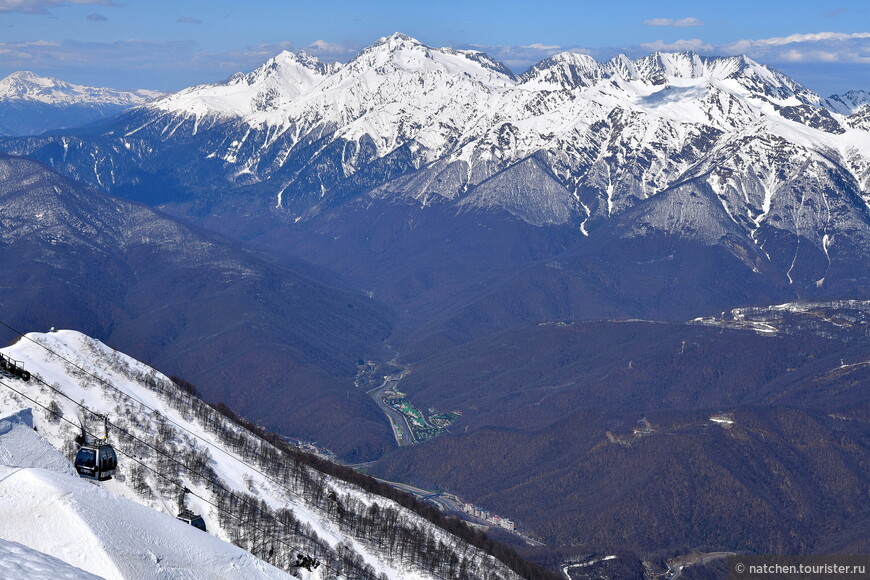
pixel 96 461
pixel 12 368
pixel 188 516
pixel 195 520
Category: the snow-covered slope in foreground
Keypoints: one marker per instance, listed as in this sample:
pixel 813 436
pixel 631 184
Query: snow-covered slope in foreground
pixel 249 492
pixel 48 508
pixel 18 561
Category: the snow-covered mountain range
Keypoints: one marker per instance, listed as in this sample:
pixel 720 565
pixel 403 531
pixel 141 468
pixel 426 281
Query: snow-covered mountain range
pixel 27 86
pixel 31 104
pixel 248 493
pixel 604 134
pixel 728 148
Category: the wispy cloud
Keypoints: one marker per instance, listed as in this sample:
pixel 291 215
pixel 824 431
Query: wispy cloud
pixel 326 50
pixel 268 50
pixel 189 20
pixel 66 55
pixel 96 17
pixel 169 65
pixel 544 47
pixel 797 39
pixel 816 47
pixel 43 6
pixel 694 44
pixel 520 57
pixel 819 47
pixel 163 65
pixel 690 21
pixel 332 50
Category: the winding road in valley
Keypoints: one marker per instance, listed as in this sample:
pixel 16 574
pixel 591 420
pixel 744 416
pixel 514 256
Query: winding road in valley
pixel 399 423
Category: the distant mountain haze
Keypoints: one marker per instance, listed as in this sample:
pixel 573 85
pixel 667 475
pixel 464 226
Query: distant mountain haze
pixel 31 104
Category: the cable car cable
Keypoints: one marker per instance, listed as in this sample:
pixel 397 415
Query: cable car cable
pixel 187 468
pixel 167 478
pixel 113 387
pixel 167 419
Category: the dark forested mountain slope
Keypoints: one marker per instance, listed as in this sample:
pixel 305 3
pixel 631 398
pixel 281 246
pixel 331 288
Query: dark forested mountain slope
pixel 653 437
pixel 278 346
pixel 250 487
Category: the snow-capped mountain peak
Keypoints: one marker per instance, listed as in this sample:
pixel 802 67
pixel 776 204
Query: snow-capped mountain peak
pixel 621 66
pixel 848 103
pixel 286 64
pixel 400 52
pixel 271 86
pixel 740 73
pixel 564 70
pixel 31 104
pixel 396 39
pixel 395 90
pixel 25 83
pixel 663 67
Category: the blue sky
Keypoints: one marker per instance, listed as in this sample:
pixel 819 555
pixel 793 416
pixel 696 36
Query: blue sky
pixel 169 45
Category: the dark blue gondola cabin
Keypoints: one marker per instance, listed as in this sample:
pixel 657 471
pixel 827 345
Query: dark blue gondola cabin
pixel 191 518
pixel 96 461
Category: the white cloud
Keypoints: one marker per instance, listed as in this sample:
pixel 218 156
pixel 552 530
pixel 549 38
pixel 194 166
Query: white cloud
pixel 831 47
pixel 50 55
pixel 332 50
pixel 543 47
pixel 320 48
pixel 795 39
pixel 793 56
pixel 519 58
pixel 690 21
pixel 818 47
pixel 268 50
pixel 169 65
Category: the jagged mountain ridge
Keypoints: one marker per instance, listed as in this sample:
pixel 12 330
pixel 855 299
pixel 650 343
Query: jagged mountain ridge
pixel 570 143
pixel 31 104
